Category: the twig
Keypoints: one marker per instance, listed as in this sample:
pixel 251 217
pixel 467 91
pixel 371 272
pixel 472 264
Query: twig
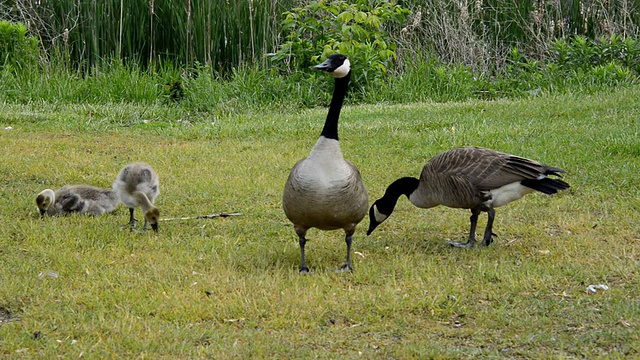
pixel 210 216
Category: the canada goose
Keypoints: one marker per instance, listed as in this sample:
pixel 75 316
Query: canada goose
pixel 138 185
pixel 469 178
pixel 83 199
pixel 324 190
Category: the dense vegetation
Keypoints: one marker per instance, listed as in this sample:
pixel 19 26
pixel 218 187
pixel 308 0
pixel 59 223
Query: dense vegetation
pixel 220 56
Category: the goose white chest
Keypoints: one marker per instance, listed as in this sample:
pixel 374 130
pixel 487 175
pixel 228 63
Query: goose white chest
pixel 325 168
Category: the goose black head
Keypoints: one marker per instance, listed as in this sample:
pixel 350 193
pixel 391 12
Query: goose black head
pixel 337 65
pixel 383 207
pixel 379 212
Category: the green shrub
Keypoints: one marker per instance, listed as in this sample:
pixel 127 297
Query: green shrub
pixel 582 53
pixel 359 29
pixel 17 50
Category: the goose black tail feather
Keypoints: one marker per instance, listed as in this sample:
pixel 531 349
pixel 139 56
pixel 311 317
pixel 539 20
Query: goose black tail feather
pixel 554 171
pixel 546 185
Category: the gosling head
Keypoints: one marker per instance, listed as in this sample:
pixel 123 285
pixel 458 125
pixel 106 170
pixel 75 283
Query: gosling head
pixel 153 216
pixel 45 200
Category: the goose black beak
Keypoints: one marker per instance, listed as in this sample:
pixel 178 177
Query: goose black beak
pixel 372 227
pixel 325 66
pixel 154 227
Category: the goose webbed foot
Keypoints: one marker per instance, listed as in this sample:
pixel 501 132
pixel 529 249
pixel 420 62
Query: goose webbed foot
pixel 132 221
pixel 469 244
pixel 345 268
pixel 131 225
pixel 488 239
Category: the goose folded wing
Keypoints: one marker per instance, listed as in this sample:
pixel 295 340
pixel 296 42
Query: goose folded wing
pixel 496 172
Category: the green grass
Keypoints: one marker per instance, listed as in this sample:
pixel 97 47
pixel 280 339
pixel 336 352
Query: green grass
pixel 226 288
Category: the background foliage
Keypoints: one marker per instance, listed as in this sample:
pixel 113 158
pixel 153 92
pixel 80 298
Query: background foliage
pixel 221 34
pixel 226 34
pixel 361 30
pixel 225 56
pixel 18 51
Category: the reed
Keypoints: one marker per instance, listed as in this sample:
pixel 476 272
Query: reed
pixel 481 33
pixel 222 34
pixel 226 34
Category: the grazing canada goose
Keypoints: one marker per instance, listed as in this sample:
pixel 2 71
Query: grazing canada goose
pixel 469 178
pixel 83 199
pixel 324 190
pixel 138 185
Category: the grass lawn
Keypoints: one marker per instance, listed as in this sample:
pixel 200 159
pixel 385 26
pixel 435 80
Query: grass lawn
pixel 78 286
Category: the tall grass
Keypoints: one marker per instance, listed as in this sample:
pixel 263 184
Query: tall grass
pixel 481 33
pixel 252 89
pixel 227 34
pixel 222 34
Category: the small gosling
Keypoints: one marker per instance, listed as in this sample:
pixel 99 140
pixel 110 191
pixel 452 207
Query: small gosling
pixel 137 185
pixel 83 199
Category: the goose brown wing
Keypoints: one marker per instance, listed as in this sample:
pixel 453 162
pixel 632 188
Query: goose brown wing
pixel 485 169
pixel 505 169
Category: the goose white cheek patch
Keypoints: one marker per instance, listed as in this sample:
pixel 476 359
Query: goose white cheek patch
pixel 380 217
pixel 342 70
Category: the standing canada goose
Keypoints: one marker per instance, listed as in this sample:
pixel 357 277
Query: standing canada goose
pixel 469 178
pixel 83 199
pixel 324 190
pixel 138 185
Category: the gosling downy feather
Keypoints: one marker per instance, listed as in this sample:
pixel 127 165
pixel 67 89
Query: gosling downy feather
pixel 137 185
pixel 324 190
pixel 83 199
pixel 472 178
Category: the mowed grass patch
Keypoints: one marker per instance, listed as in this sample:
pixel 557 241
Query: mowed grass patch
pixel 229 287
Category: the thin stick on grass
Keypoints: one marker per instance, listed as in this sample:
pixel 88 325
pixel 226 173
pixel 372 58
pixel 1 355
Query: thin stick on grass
pixel 210 216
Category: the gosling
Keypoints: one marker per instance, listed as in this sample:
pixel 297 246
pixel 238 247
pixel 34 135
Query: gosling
pixel 83 199
pixel 137 185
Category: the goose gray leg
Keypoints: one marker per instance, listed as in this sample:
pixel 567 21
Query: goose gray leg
pixel 132 220
pixel 302 241
pixel 347 265
pixel 472 231
pixel 488 231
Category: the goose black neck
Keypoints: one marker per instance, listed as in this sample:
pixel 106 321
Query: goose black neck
pixel 330 130
pixel 403 186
